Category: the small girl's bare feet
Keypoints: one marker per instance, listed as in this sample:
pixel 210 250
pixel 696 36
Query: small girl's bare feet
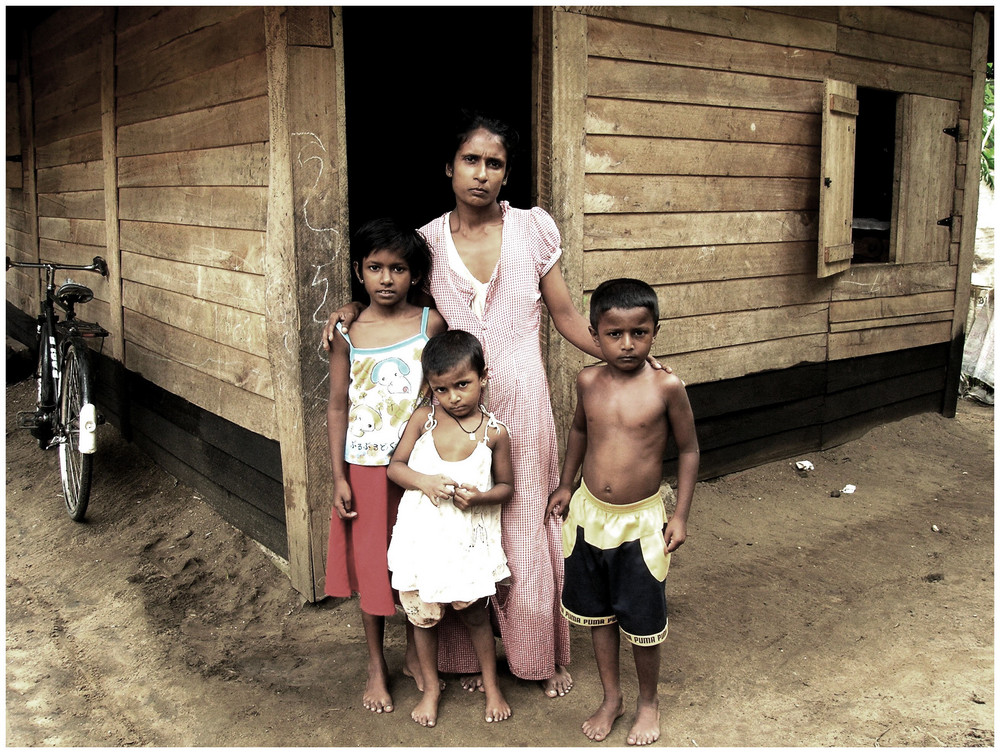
pixel 497 708
pixel 559 684
pixel 599 725
pixel 646 728
pixel 377 697
pixel 425 713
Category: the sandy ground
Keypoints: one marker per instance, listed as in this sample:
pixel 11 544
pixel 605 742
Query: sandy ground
pixel 796 618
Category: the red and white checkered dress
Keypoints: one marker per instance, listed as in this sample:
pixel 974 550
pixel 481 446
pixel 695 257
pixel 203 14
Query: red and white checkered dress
pixel 535 636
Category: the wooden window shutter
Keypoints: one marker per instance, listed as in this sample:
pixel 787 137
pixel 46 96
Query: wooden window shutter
pixel 836 191
pixel 925 180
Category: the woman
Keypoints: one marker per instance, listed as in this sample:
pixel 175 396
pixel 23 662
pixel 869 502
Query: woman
pixel 492 266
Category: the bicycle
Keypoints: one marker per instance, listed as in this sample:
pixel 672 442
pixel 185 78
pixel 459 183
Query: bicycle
pixel 65 415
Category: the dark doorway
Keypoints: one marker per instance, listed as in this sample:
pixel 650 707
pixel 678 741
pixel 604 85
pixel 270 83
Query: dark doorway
pixel 406 70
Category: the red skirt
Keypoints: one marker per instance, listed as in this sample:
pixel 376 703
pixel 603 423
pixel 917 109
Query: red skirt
pixel 356 552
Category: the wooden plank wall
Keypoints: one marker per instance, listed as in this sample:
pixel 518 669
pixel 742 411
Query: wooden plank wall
pixel 192 132
pixel 146 131
pixel 702 177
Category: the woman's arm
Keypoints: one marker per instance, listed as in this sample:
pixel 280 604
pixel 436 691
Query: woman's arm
pixel 569 322
pixel 346 314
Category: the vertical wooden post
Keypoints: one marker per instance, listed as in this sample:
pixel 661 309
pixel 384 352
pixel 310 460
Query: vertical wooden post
pixel 969 210
pixel 567 159
pixel 109 143
pixel 29 185
pixel 305 263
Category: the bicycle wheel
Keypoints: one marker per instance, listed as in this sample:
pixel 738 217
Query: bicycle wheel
pixel 75 466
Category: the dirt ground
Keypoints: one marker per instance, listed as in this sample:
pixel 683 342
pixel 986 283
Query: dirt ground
pixel 796 618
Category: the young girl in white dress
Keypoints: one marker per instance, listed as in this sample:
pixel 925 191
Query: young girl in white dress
pixel 454 461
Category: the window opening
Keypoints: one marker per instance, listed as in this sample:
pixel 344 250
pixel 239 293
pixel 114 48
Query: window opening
pixel 874 176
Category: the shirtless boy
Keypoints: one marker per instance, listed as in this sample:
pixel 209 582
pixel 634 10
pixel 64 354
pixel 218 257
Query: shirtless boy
pixel 616 538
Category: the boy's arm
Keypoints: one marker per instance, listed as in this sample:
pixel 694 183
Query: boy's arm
pixel 337 413
pixel 576 449
pixel 503 479
pixel 436 487
pixel 688 456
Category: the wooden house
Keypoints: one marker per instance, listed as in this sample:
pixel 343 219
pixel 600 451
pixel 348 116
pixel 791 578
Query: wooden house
pixel 798 183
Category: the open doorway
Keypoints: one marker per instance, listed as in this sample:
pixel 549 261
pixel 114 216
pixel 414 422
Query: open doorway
pixel 406 70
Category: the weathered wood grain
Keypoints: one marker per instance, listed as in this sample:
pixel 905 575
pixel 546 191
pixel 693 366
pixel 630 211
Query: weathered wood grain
pixel 701 263
pixel 86 147
pixel 223 363
pixel 82 205
pixel 243 122
pixel 241 79
pixel 246 409
pixel 243 208
pixel 650 44
pixel 887 338
pixel 667 83
pixel 642 156
pixel 240 165
pixel 612 194
pixel 631 231
pixel 204 48
pixel 236 250
pixel 236 289
pixel 681 121
pixel 235 328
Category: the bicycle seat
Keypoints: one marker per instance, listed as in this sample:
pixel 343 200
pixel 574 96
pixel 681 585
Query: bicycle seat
pixel 70 293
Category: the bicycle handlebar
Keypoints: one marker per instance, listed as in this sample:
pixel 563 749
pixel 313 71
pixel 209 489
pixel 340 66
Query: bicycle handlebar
pixel 97 265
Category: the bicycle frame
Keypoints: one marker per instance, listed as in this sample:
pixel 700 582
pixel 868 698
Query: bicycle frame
pixel 53 334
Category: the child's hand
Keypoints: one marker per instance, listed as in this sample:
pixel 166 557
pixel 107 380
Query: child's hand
pixel 438 489
pixel 558 503
pixel 465 496
pixel 342 502
pixel 674 535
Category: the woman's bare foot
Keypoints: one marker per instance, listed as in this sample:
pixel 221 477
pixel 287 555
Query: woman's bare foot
pixel 497 708
pixel 599 725
pixel 472 683
pixel 559 684
pixel 646 728
pixel 425 713
pixel 376 697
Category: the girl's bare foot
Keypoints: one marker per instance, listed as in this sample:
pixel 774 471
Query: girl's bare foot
pixel 497 708
pixel 559 684
pixel 425 713
pixel 646 728
pixel 376 697
pixel 472 683
pixel 599 725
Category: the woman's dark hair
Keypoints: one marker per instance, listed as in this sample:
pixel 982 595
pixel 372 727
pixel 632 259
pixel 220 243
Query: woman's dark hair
pixel 452 348
pixel 387 234
pixel 623 293
pixel 468 121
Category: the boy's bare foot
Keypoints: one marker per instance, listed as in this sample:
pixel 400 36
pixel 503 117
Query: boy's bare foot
pixel 497 708
pixel 646 728
pixel 472 683
pixel 559 684
pixel 425 713
pixel 376 697
pixel 599 725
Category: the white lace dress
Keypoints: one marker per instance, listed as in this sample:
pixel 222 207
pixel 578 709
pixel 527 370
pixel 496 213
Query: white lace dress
pixel 443 553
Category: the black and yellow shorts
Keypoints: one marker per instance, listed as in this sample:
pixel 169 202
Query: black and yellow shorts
pixel 616 566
